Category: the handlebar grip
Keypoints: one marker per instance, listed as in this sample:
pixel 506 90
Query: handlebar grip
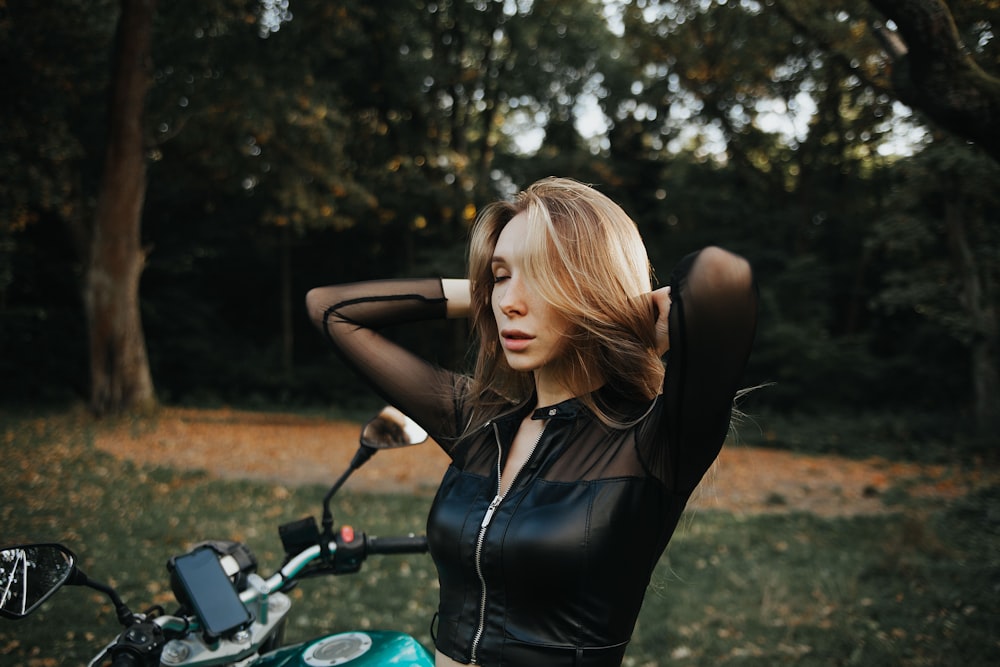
pixel 411 544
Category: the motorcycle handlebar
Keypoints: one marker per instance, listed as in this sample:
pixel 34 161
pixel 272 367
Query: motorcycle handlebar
pixel 412 544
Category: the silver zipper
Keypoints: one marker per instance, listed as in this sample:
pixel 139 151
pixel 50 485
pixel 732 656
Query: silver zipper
pixel 487 517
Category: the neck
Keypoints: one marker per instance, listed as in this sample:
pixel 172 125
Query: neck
pixel 551 389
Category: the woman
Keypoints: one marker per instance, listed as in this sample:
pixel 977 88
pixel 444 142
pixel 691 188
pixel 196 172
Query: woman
pixel 572 452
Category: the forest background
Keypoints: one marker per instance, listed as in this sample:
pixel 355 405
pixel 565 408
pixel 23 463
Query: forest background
pixel 223 156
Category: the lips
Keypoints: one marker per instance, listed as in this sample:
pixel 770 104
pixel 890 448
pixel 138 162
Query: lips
pixel 515 340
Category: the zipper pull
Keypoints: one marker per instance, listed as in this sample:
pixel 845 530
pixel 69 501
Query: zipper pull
pixel 490 510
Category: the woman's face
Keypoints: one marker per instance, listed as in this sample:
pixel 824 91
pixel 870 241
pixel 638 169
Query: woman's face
pixel 532 334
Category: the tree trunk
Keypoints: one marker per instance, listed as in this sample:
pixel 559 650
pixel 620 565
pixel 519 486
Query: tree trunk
pixel 978 299
pixel 119 365
pixel 287 309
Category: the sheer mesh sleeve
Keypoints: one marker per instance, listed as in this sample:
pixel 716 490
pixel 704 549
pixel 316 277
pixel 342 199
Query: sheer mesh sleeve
pixel 351 316
pixel 713 318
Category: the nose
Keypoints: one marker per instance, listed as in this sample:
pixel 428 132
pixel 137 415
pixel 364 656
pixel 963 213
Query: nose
pixel 510 297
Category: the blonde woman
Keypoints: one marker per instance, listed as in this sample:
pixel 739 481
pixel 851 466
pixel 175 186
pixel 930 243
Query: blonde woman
pixel 574 448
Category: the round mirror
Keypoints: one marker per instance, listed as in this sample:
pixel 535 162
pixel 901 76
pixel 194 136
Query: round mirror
pixel 29 574
pixel 391 428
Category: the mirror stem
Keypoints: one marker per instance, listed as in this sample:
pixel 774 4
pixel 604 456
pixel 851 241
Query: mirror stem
pixel 125 615
pixel 360 458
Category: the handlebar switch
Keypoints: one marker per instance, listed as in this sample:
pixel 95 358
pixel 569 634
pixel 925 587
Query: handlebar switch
pixel 351 551
pixel 297 536
pixel 143 642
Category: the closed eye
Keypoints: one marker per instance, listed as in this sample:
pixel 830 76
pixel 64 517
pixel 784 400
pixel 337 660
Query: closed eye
pixel 500 269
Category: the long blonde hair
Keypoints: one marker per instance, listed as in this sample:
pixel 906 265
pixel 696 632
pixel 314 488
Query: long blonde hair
pixel 588 262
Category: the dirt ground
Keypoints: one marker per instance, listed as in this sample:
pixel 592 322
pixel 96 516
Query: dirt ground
pixel 292 450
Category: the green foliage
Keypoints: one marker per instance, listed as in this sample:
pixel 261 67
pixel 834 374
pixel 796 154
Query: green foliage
pixel 54 82
pixel 317 142
pixel 942 198
pixel 904 434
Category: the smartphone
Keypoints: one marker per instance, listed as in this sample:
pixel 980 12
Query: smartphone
pixel 210 593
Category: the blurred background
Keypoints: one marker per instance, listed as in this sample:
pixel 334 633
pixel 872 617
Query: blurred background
pixel 175 176
pixel 280 145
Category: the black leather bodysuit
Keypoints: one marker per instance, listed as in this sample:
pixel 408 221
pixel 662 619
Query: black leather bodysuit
pixel 555 572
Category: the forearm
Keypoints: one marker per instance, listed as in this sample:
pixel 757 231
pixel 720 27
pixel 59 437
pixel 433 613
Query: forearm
pixel 352 315
pixel 375 304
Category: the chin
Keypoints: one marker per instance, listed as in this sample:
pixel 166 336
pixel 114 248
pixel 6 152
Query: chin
pixel 521 365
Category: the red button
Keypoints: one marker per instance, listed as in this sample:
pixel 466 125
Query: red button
pixel 347 534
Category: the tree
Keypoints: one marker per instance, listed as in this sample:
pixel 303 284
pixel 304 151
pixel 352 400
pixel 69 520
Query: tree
pixel 945 197
pixel 119 365
pixel 940 61
pixel 788 114
pixel 936 73
pixel 52 137
pixel 922 60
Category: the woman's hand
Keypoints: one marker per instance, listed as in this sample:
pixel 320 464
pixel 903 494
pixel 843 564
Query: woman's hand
pixel 661 306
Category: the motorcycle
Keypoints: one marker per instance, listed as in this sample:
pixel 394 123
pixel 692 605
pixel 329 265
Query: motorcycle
pixel 227 613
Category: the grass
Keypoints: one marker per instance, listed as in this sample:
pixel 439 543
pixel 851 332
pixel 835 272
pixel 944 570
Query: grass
pixel 910 435
pixel 917 587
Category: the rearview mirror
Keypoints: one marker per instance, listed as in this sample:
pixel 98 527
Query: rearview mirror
pixel 29 574
pixel 390 429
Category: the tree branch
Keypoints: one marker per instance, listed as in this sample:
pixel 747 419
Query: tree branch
pixel 934 73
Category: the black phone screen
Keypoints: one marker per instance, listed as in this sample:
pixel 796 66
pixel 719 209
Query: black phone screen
pixel 211 594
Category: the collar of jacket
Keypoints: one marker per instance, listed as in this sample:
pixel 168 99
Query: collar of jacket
pixel 609 400
pixel 566 410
